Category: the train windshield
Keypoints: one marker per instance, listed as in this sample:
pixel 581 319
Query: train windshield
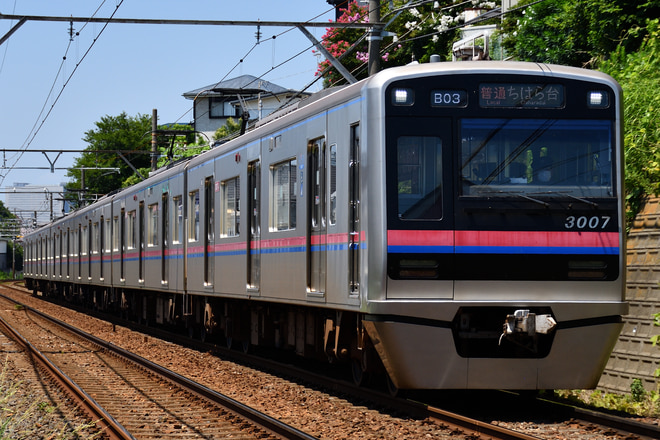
pixel 528 157
pixel 419 180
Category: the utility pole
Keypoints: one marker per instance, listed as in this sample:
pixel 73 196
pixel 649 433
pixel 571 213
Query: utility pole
pixel 154 150
pixel 374 37
pixel 82 185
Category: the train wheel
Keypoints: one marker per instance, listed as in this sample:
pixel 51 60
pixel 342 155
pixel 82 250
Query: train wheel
pixel 358 373
pixel 393 389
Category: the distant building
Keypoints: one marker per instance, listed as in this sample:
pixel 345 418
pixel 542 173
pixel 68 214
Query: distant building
pixel 476 41
pixel 215 103
pixel 42 203
pixel 5 260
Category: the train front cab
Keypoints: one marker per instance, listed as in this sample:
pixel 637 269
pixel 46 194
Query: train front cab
pixel 494 276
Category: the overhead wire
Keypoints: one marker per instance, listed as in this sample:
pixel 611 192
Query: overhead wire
pixel 4 55
pixel 474 21
pixel 363 65
pixel 248 53
pixel 242 59
pixel 291 58
pixel 254 46
pixel 37 125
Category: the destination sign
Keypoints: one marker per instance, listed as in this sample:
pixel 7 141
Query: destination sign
pixel 521 95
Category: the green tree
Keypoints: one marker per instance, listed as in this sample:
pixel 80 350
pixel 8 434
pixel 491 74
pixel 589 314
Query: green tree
pixel 180 146
pixel 127 134
pixel 420 31
pixel 10 227
pixel 231 128
pixel 112 133
pixel 5 212
pixel 172 147
pixel 639 76
pixel 574 32
pixel 656 338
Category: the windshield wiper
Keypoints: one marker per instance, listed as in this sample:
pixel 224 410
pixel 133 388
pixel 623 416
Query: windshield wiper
pixel 521 195
pixel 570 196
pixel 588 202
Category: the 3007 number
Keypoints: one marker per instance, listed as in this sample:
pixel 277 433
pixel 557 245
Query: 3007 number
pixel 584 222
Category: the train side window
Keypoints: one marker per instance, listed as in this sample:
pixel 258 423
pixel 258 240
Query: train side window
pixel 332 215
pixel 209 208
pixel 152 226
pixel 107 235
pixel 96 238
pixel 85 241
pixel 130 233
pixel 283 206
pixel 178 219
pixel 231 207
pixel 115 234
pixel 193 216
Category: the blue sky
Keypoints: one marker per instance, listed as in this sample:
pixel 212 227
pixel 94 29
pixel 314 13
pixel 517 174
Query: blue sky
pixel 132 68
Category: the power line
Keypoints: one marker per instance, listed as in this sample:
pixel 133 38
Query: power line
pixel 183 22
pixel 294 25
pixel 4 55
pixel 27 143
pixel 291 24
pixel 52 88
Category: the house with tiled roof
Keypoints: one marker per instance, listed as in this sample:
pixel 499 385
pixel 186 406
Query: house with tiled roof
pixel 215 103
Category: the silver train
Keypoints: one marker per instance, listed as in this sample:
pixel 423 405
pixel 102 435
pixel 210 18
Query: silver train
pixel 459 224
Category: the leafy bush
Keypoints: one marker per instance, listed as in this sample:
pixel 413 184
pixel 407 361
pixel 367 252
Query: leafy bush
pixel 637 390
pixel 639 76
pixel 640 402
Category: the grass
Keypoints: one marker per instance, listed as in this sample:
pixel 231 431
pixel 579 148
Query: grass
pixel 639 402
pixel 22 417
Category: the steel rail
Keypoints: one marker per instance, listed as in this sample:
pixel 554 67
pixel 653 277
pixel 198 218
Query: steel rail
pixel 256 417
pixel 475 426
pixel 450 420
pixel 110 427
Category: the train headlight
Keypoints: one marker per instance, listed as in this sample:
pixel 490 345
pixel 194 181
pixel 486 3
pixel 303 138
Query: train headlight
pixel 598 99
pixel 403 97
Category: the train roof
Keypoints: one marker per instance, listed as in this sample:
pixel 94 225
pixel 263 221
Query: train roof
pixel 335 95
pixel 492 67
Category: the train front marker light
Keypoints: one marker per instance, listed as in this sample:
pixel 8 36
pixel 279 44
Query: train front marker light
pixel 598 99
pixel 403 97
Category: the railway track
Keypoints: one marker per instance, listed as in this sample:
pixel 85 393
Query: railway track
pixel 130 397
pixel 458 426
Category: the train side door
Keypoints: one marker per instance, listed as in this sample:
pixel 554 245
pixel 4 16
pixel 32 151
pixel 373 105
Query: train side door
pixel 254 226
pixel 122 245
pixel 354 240
pixel 317 215
pixel 141 247
pixel 209 230
pixel 90 249
pixel 164 218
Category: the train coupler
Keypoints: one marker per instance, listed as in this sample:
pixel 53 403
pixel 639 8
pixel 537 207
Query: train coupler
pixel 522 322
